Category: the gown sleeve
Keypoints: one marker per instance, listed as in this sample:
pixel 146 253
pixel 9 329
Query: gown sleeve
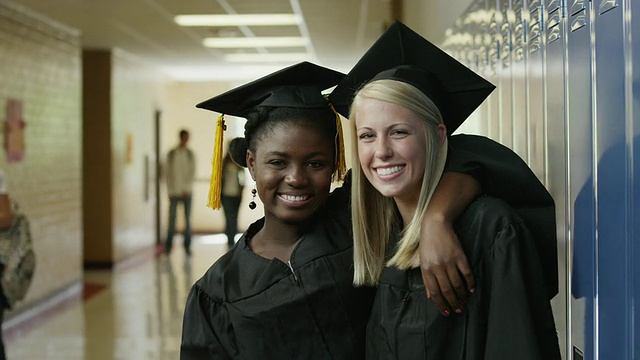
pixel 520 323
pixel 500 171
pixel 203 329
pixel 504 175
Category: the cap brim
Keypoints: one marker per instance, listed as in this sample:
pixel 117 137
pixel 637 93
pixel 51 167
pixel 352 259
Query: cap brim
pixel 299 85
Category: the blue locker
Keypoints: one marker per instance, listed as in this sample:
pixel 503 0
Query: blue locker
pixel 581 182
pixel 613 244
pixel 568 100
pixel 464 42
pixel 536 116
pixel 505 85
pixel 634 52
pixel 493 103
pixel 488 109
pixel 554 45
pixel 519 79
pixel 476 23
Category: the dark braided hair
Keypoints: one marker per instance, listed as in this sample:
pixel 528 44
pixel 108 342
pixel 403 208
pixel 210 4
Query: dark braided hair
pixel 262 121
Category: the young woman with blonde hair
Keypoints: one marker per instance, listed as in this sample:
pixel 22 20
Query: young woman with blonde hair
pixel 402 110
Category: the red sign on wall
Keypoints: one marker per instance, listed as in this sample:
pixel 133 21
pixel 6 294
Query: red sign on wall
pixel 14 131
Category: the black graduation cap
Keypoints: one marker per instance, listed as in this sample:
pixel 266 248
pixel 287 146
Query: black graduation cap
pixel 402 54
pixel 297 86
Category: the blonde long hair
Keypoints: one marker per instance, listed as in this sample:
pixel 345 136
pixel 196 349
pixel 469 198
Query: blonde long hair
pixel 374 216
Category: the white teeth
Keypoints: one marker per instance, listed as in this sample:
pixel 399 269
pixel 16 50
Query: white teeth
pixel 389 170
pixel 294 198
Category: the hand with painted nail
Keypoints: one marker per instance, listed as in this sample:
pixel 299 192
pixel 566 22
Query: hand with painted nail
pixel 445 271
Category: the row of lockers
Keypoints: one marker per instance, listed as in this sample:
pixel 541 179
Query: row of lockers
pixel 568 102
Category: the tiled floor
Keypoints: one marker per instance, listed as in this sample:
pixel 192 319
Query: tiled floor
pixel 132 312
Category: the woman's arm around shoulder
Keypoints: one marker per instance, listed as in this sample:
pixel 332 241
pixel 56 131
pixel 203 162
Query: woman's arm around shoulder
pixel 499 170
pixel 443 263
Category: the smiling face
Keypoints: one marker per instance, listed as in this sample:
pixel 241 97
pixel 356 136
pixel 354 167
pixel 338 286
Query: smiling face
pixel 391 148
pixel 292 165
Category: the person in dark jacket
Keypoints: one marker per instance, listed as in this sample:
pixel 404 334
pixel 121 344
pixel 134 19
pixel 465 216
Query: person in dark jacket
pixel 400 119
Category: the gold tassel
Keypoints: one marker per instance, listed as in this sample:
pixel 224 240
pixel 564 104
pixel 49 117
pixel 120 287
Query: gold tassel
pixel 215 183
pixel 341 163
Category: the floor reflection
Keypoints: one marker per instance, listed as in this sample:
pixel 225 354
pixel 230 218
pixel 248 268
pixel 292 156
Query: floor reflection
pixel 132 312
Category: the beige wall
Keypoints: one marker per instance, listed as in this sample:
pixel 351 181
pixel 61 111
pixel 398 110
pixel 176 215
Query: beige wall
pixel 431 18
pixel 138 92
pixel 40 65
pixel 121 96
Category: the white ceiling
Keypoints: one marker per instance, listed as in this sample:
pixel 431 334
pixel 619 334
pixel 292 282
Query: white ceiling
pixel 340 30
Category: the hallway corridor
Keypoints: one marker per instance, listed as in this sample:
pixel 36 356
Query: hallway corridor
pixel 132 312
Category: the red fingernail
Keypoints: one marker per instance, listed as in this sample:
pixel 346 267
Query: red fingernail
pixel 459 311
pixel 445 313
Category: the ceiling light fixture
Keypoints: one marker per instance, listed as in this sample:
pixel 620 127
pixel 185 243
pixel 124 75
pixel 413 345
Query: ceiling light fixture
pixel 238 20
pixel 267 58
pixel 253 42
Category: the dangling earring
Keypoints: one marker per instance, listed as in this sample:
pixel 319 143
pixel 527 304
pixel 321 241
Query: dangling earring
pixel 252 204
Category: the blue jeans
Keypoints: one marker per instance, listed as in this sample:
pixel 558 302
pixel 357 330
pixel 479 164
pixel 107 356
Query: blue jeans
pixel 173 207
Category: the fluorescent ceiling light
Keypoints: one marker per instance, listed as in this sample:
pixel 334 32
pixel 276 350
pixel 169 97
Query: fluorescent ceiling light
pixel 252 42
pixel 253 58
pixel 238 20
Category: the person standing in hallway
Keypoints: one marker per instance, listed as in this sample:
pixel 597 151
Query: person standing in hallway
pixel 181 169
pixel 231 197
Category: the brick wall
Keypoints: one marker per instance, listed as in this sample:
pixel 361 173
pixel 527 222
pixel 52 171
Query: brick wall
pixel 40 65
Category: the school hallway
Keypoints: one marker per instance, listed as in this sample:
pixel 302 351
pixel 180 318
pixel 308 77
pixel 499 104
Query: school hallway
pixel 133 311
pixel 94 98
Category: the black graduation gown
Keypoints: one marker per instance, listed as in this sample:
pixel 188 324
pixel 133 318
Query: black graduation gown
pixel 504 175
pixel 508 317
pixel 249 307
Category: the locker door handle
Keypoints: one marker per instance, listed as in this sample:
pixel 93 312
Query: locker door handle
pixel 553 28
pixel 553 34
pixel 554 19
pixel 577 6
pixel 519 36
pixel 553 5
pixel 579 20
pixel 606 5
pixel 534 29
pixel 505 43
